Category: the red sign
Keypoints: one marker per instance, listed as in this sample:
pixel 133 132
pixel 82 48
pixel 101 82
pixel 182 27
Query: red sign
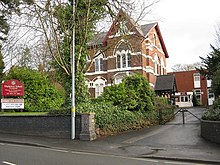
pixel 12 88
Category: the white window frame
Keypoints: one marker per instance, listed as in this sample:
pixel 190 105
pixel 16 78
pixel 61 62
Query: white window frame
pixel 99 85
pixel 123 59
pixel 196 77
pixel 156 64
pixel 99 63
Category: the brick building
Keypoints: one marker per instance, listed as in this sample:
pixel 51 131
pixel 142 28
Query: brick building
pixel 192 81
pixel 125 49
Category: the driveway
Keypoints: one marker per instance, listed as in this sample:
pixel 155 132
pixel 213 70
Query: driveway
pixel 174 139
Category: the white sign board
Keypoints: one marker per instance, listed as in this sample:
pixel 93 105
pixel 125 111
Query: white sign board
pixel 12 103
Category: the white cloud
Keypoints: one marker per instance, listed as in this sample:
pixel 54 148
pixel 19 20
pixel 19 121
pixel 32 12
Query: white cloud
pixel 187 27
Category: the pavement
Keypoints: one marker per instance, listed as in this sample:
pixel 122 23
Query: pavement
pixel 127 144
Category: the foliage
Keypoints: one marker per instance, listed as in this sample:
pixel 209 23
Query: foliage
pixel 216 82
pixel 214 113
pixel 133 94
pixel 164 109
pixel 211 69
pixel 161 102
pixel 6 9
pixel 2 65
pixel 211 63
pixel 40 94
pixel 195 100
pixel 87 13
pixel 115 119
pixel 216 104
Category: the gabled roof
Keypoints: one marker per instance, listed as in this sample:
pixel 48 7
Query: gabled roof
pixel 98 39
pixel 165 83
pixel 147 27
pixel 142 30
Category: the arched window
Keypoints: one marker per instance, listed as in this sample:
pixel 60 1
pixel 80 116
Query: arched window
pixel 123 54
pixel 162 66
pixel 99 62
pixel 99 85
pixel 156 64
pixel 118 77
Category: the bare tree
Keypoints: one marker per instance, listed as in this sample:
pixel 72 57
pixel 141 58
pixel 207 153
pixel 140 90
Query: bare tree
pixel 39 27
pixel 186 67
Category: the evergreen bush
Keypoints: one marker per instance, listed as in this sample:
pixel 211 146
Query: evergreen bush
pixel 40 94
pixel 214 113
pixel 133 94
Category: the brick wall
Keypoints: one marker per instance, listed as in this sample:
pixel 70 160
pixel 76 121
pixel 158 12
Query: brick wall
pixel 48 126
pixel 210 130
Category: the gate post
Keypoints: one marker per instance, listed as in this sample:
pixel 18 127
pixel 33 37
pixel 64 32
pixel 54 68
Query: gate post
pixel 183 115
pixel 87 127
pixel 160 117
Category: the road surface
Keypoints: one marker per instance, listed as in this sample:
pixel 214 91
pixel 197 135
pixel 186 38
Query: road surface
pixel 11 154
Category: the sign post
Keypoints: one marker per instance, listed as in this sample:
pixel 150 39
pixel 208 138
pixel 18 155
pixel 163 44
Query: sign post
pixel 12 88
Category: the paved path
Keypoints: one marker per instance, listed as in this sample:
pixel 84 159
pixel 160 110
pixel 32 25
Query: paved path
pixel 173 141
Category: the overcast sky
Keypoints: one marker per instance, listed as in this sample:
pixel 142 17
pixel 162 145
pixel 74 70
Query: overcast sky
pixel 187 27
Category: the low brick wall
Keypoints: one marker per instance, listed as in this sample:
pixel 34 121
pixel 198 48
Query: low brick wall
pixel 58 126
pixel 210 130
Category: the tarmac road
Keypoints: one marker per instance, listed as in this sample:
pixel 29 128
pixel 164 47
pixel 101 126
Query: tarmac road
pixel 11 154
pixel 164 143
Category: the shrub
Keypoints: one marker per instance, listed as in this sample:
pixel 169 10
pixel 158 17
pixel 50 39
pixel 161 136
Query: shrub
pixel 164 109
pixel 195 101
pixel 133 94
pixel 113 118
pixel 40 94
pixel 214 113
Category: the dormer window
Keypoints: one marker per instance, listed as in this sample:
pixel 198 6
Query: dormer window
pixel 99 62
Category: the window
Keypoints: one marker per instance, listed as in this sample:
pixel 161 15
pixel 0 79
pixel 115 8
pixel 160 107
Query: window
pixel 118 77
pixel 129 59
pixel 99 63
pixel 154 39
pixel 159 46
pixel 196 80
pixel 156 65
pixel 123 56
pixel 99 85
pixel 99 88
pixel 162 66
pixel 211 94
pixel 196 77
pixel 209 83
pixel 184 99
pixel 198 94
